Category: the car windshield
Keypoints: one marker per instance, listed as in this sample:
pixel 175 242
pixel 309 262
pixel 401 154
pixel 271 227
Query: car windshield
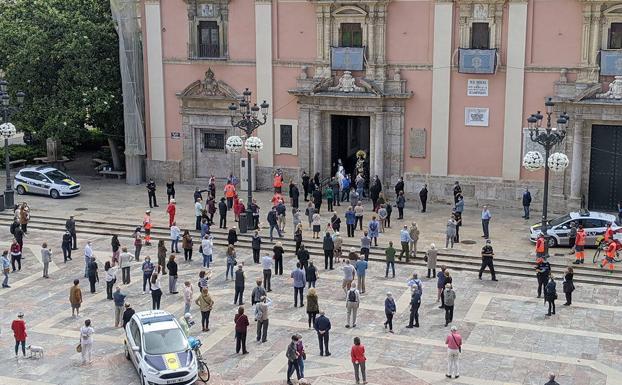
pixel 165 341
pixel 56 175
pixel 559 220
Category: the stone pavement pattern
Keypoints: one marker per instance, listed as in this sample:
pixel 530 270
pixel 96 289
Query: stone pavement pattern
pixel 507 338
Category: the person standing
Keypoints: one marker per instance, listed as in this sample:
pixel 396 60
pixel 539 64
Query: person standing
pixel 125 262
pixel 389 311
pixel 92 273
pixel 450 297
pixel 222 212
pixel 454 348
pixel 374 228
pixel 266 264
pixel 335 222
pixel 188 293
pixel 66 246
pixel 400 202
pixel 151 193
pixel 328 194
pixel 345 188
pixel 70 226
pixel 198 213
pixel 450 232
pixel 296 221
pixel 423 197
pixel 579 246
pixel 86 342
pixel 540 246
pixel 414 233
pixel 311 274
pixel 543 271
pixel 316 225
pixel 172 275
pixel 357 354
pixel 389 253
pixel 16 255
pixel 75 298
pixel 568 285
pixel 399 186
pixel 171 209
pixel 317 198
pixel 294 195
pixel 526 203
pixel 138 243
pixel 430 259
pixel 241 326
pixel 273 222
pixel 232 236
pixel 170 190
pixel 298 277
pixel 156 290
pixel 322 327
pixel 405 241
pixel 187 244
pixel 310 212
pixel 486 216
pixel 46 258
pixel 312 306
pixel 256 246
pixel 550 295
pixel 162 257
pixel 240 278
pixel 350 221
pixel 119 303
pixel 116 249
pixel 278 252
pixel 292 360
pixel 374 192
pixel 147 225
pixel 358 214
pixel 335 184
pixel 353 300
pixel 205 303
pixel 257 292
pixel 147 269
pixel 281 212
pixel 572 237
pixel 305 185
pixel 487 257
pixel 365 245
pixel 230 193
pixel 415 302
pixel 19 333
pixel 6 267
pixel 348 276
pixel 338 244
pixel 329 248
pixel 207 249
pixel 262 318
pixel 361 267
pixel 457 191
pixel 127 314
pixel 298 238
pixel 552 380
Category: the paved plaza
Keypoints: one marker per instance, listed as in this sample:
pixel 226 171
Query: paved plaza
pixel 507 338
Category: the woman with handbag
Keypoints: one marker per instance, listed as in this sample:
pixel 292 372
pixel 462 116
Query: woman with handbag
pixel 454 348
pixel 568 285
pixel 86 342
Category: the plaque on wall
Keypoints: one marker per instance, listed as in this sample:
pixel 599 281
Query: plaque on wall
pixel 176 135
pixel 476 116
pixel 477 87
pixel 417 142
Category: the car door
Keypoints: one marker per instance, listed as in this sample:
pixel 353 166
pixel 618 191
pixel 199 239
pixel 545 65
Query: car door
pixel 33 181
pixel 593 228
pixel 46 183
pixel 562 233
pixel 135 340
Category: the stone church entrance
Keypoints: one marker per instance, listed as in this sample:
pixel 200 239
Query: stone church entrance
pixel 349 134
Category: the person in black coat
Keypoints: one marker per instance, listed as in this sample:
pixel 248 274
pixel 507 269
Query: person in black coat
pixel 317 198
pixel 303 257
pixel 329 248
pixel 311 274
pixel 457 191
pixel 92 273
pixel 151 192
pixel 423 196
pixel 170 190
pixel 232 236
pixel 322 327
pixel 316 180
pixel 305 184
pixel 568 285
pixel 550 295
pixel 399 186
pixel 256 246
pixel 127 314
pixel 335 222
pixel 222 211
pixel 70 226
pixel 294 194
pixel 526 202
pixel 66 246
pixel 374 192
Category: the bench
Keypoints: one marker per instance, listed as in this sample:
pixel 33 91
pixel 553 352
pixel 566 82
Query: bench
pixel 18 163
pixel 99 164
pixel 119 174
pixel 39 160
pixel 58 163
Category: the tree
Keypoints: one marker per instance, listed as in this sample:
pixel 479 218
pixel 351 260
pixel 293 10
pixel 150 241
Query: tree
pixel 64 55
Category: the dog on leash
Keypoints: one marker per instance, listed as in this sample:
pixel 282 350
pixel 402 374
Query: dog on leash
pixel 35 351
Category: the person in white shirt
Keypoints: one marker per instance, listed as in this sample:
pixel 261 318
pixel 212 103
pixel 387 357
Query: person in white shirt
pixel 88 254
pixel 125 262
pixel 348 276
pixel 86 341
pixel 175 235
pixel 266 263
pixel 156 291
pixel 187 296
pixel 207 247
pixel 46 258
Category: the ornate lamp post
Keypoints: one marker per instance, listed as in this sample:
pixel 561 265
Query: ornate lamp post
pixel 548 138
pixel 246 117
pixel 7 130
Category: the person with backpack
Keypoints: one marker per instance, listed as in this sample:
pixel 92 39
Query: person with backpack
pixel 353 299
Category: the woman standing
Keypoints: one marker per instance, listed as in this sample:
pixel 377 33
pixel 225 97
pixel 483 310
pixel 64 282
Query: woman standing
pixel 316 224
pixel 357 354
pixel 75 298
pixel 389 311
pixel 450 232
pixel 310 273
pixel 400 203
pixel 231 261
pixel 186 244
pixel 162 256
pixel 19 332
pixel 431 256
pixel 373 229
pixel 302 355
pixel 313 307
pixel 568 285
pixel 24 217
pixel 232 236
pixel 298 237
pixel 205 303
pixel 16 255
pixel 116 249
pixel 156 291
pixel 172 274
pixel 296 218
pixel 241 325
pixel 550 294
pixel 170 190
pixel 147 268
pixel 309 212
pixel 138 243
pixel 175 235
pixel 86 341
pixel 111 278
pixel 448 279
pixel 450 297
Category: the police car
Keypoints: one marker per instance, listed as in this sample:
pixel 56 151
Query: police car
pixel 159 349
pixel 45 180
pixel 594 223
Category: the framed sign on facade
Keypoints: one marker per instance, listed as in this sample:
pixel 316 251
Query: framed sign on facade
pixel 476 116
pixel 477 87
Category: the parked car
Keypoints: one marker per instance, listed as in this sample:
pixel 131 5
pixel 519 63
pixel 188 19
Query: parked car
pixel 595 223
pixel 159 349
pixel 45 180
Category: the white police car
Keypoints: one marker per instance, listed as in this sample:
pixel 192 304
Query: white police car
pixel 159 349
pixel 45 180
pixel 594 223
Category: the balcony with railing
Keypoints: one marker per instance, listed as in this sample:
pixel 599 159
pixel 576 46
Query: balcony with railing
pixel 204 52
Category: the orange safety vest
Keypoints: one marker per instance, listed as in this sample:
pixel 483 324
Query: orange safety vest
pixel 580 240
pixel 611 250
pixel 229 190
pixel 278 181
pixel 147 222
pixel 608 233
pixel 540 245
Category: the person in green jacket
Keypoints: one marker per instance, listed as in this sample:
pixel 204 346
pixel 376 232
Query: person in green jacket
pixel 328 194
pixel 389 252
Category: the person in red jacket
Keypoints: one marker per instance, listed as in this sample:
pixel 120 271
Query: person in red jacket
pixel 171 209
pixel 357 353
pixel 610 253
pixel 19 332
pixel 278 182
pixel 540 246
pixel 241 325
pixel 579 246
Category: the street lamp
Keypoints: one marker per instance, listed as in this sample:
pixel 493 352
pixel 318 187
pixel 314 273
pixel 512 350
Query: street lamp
pixel 246 117
pixel 548 138
pixel 7 130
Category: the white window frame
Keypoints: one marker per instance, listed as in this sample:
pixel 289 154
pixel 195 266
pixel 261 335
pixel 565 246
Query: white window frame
pixel 285 150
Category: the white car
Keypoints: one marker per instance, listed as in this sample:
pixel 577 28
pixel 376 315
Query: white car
pixel 45 180
pixel 594 223
pixel 159 349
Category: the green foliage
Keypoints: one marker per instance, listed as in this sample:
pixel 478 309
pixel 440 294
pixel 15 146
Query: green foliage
pixel 64 55
pixel 22 151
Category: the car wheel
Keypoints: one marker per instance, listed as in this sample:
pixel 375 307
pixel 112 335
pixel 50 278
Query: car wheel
pixel 127 352
pixel 552 242
pixel 21 190
pixel 54 194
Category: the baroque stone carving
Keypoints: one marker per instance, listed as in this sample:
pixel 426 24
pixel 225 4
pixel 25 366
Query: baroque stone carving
pixel 347 84
pixel 615 90
pixel 209 87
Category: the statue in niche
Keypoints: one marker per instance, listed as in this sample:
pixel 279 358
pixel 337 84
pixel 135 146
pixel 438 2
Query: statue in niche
pixel 615 90
pixel 210 85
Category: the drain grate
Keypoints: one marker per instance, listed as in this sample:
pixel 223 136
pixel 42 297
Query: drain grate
pixel 468 242
pixel 81 209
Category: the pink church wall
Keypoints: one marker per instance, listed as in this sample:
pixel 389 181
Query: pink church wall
pixel 294 38
pixel 242 30
pixel 417 115
pixel 174 19
pixel 409 32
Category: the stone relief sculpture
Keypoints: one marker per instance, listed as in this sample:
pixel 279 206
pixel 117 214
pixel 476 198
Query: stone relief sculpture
pixel 347 84
pixel 615 90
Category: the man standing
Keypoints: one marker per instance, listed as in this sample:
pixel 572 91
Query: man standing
pixel 266 264
pixel 415 302
pixel 317 198
pixel 88 254
pixel 579 246
pixel 239 286
pixel 261 316
pixel 171 209
pixel 198 213
pixel 280 212
pixel 70 226
pixel 119 303
pixel 66 246
pixel 485 221
pixel 353 299
pixel 348 276
pixel 390 252
pixel 526 202
pixel 257 293
pixel 457 191
pixel 298 276
pixel 46 258
pixel 292 359
pixel 405 240
pixel 305 184
pixel 361 267
pixel 335 185
pixel 222 212
pixel 454 347
pixel 273 222
pixel 229 193
pixel 345 188
pixel 423 196
pixel 414 235
pixel 487 256
pixel 125 262
pixel 328 246
pixel 294 195
pixel 151 192
pixel 91 269
pixel 543 271
pixel 399 186
pixel 322 327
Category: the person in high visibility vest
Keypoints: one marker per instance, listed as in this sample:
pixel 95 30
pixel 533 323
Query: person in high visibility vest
pixel 278 182
pixel 608 233
pixel 229 194
pixel 610 253
pixel 540 246
pixel 579 246
pixel 147 225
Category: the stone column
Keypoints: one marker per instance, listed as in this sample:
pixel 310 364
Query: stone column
pixel 577 159
pixel 316 129
pixel 379 146
pixel 263 70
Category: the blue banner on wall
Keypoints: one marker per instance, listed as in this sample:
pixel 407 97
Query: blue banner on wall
pixel 347 58
pixel 477 61
pixel 611 62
